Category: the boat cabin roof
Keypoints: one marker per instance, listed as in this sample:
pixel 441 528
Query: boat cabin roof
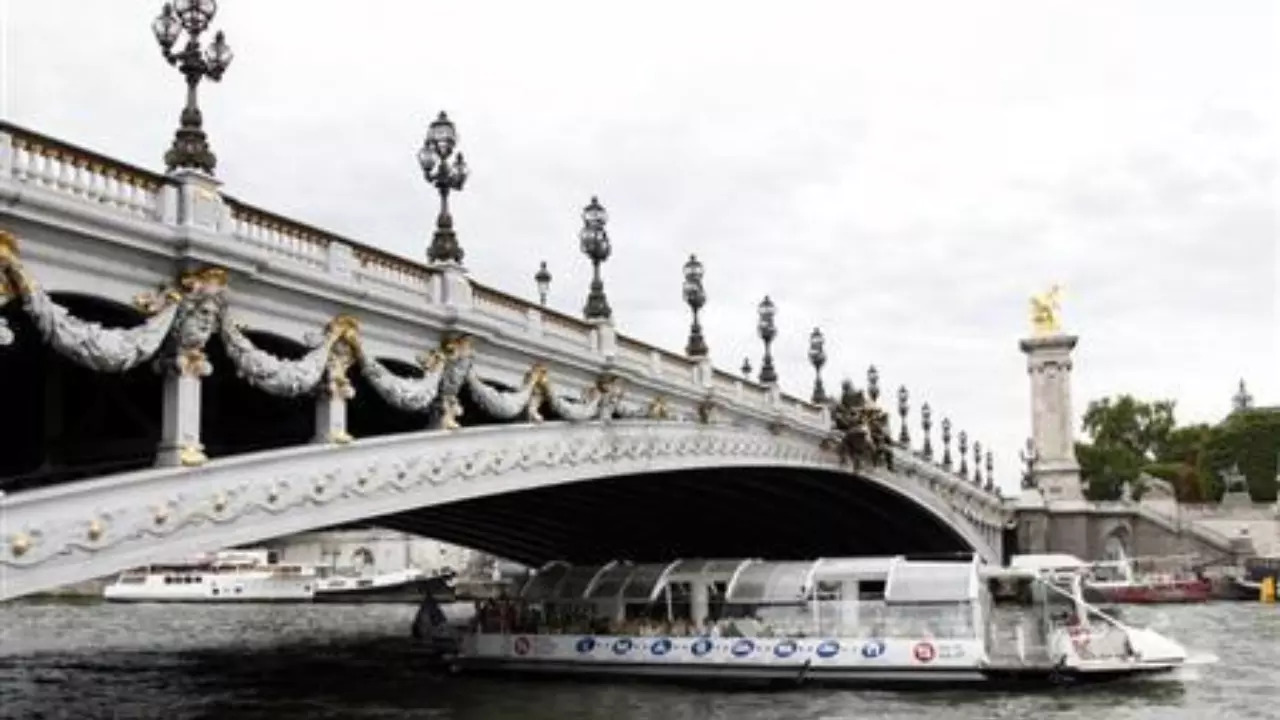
pixel 753 581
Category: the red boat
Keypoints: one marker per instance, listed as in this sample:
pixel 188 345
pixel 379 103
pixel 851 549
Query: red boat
pixel 1121 582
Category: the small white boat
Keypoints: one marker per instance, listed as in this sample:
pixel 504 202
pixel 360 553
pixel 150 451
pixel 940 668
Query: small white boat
pixel 407 585
pixel 227 576
pixel 864 621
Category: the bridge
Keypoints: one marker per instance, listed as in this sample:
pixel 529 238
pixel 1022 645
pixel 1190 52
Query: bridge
pixel 185 371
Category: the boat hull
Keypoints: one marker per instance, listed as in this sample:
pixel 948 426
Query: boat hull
pixel 772 676
pixel 1191 591
pixel 887 662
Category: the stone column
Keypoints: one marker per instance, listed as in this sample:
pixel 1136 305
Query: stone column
pixel 180 426
pixel 331 399
pixel 331 418
pixel 1056 473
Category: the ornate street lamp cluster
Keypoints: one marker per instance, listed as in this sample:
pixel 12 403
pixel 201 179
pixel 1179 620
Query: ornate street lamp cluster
pixel 982 461
pixel 190 149
pixel 447 172
pixel 696 297
pixel 445 169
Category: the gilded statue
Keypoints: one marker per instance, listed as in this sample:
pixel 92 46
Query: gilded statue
pixel 1045 308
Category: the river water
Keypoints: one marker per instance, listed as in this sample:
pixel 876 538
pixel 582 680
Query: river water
pixel 87 661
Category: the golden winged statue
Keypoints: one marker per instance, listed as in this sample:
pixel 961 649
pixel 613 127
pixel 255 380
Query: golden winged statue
pixel 1044 311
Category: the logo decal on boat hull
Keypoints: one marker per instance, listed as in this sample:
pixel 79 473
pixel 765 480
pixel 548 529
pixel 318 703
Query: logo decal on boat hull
pixel 924 652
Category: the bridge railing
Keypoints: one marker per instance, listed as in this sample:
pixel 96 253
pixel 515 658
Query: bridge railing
pixel 76 173
pixel 79 175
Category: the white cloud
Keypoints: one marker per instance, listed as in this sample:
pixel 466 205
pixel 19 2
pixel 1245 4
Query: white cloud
pixel 902 174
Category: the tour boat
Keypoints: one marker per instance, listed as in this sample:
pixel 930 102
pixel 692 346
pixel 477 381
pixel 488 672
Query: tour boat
pixel 857 621
pixel 407 585
pixel 227 576
pixel 1118 581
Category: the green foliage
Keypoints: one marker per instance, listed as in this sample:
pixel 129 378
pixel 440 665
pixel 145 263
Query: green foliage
pixel 1128 437
pixel 1250 440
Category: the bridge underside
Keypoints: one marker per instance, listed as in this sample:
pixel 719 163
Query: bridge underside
pixel 732 512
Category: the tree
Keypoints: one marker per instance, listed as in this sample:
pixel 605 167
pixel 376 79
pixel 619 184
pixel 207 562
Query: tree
pixel 1250 440
pixel 1125 436
pixel 1128 437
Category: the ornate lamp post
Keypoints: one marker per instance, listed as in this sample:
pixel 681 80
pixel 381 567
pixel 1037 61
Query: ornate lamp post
pixel 946 443
pixel 190 147
pixel 746 368
pixel 977 463
pixel 696 297
pixel 595 245
pixel 873 384
pixel 904 437
pixel 768 331
pixel 991 480
pixel 543 279
pixel 818 357
pixel 926 425
pixel 962 443
pixel 447 173
pixel 1029 456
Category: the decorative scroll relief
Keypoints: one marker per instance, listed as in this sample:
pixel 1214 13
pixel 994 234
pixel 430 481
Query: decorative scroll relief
pixel 273 375
pixel 408 394
pixel 151 509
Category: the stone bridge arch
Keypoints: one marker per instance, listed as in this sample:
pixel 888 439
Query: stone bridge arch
pixel 74 532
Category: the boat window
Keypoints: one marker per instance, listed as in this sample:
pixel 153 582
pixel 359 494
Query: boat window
pixel 931 582
pixel 871 590
pixel 644 582
pixel 608 584
pixel 544 583
pixel 576 581
pixel 942 621
pixel 785 582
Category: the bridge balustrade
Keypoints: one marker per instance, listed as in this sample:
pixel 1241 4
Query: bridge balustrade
pixel 173 249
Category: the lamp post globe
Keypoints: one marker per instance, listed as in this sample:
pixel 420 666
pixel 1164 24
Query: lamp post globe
pixel 542 279
pixel 594 242
pixel 696 296
pixel 190 148
pixel 447 172
pixel 818 358
pixel 768 331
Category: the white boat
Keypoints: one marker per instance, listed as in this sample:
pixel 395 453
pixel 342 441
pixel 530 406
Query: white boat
pixel 227 576
pixel 878 621
pixel 407 585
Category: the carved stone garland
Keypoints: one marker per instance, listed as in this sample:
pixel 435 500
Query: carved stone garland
pixel 89 344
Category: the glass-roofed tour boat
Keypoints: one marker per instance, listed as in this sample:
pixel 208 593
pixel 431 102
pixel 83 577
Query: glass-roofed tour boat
pixel 877 621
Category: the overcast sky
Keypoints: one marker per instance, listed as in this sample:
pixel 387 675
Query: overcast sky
pixel 902 174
